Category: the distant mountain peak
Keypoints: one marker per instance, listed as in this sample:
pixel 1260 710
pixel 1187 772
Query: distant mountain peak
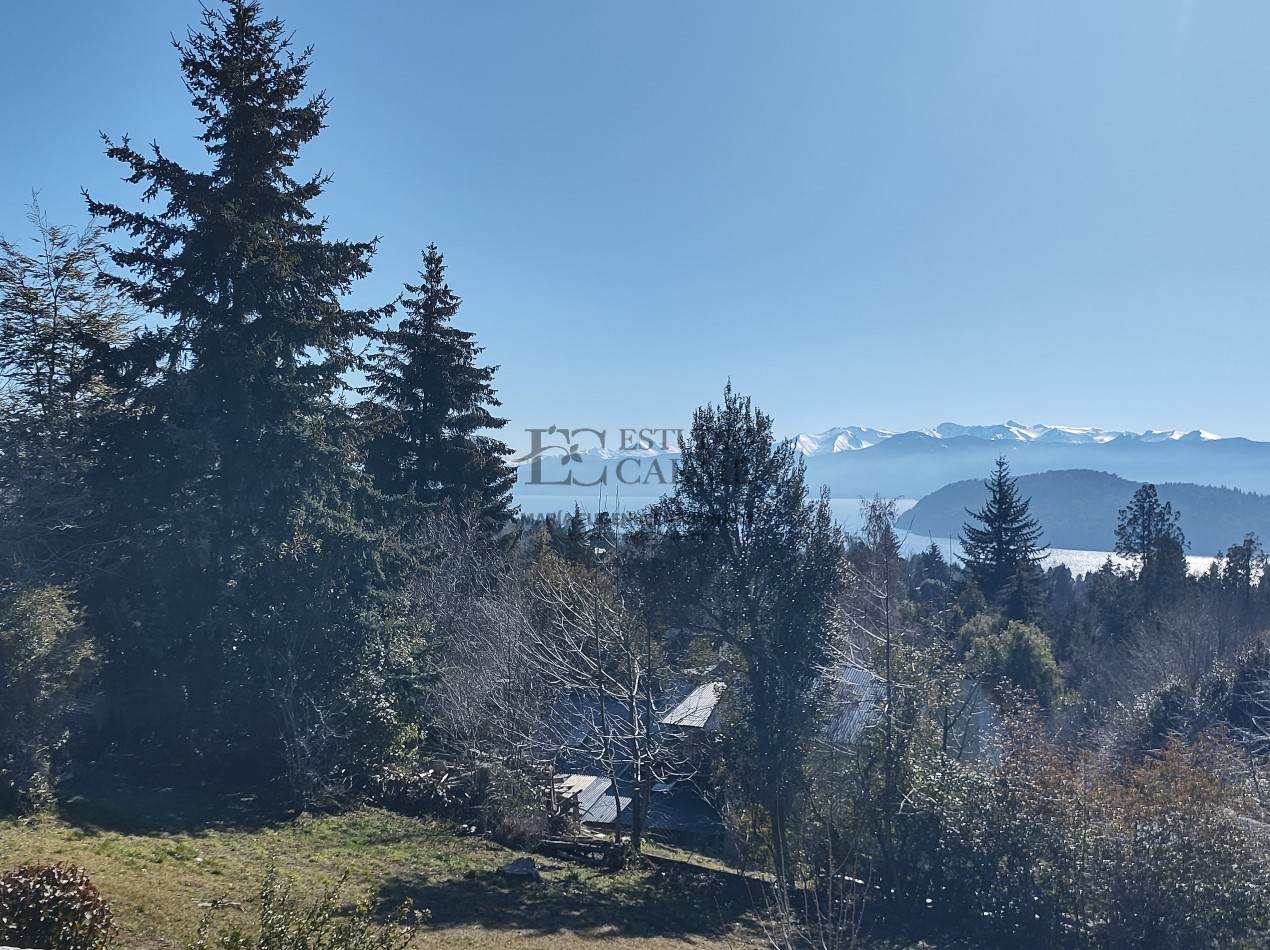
pixel 853 438
pixel 844 439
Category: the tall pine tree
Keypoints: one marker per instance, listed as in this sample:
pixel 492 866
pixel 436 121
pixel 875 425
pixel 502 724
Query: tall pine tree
pixel 1003 552
pixel 1147 530
pixel 250 607
pixel 434 403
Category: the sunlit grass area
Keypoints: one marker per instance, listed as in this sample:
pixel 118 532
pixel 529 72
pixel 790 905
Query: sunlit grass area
pixel 164 857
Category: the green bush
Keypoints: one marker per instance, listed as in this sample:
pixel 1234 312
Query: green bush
pixel 499 799
pixel 1152 855
pixel 1052 847
pixel 1021 653
pixel 45 659
pixel 1187 872
pixel 53 906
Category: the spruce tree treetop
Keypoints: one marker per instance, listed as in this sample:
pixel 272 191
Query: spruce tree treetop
pixel 1003 549
pixel 235 259
pixel 234 384
pixel 436 405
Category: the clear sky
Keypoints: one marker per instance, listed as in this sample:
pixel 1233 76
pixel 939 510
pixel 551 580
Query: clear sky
pixel 886 214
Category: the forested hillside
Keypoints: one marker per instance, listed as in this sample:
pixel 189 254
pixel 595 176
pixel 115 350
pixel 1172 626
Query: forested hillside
pixel 1078 510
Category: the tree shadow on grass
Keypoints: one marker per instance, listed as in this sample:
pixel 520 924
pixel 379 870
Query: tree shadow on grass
pixel 97 801
pixel 650 902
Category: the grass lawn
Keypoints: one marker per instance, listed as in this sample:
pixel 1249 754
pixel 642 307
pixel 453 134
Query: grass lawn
pixel 160 857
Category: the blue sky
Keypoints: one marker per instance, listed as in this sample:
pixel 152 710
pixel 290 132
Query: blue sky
pixel 885 214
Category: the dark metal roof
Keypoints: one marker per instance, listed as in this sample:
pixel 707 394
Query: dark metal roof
pixel 856 705
pixel 595 798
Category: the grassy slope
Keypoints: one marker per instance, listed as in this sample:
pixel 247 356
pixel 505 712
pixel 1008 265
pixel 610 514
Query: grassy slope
pixel 156 855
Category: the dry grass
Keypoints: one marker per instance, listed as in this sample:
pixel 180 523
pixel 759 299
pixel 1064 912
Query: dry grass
pixel 161 856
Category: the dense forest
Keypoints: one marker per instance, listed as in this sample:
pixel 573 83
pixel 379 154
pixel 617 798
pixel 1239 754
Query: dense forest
pixel 224 563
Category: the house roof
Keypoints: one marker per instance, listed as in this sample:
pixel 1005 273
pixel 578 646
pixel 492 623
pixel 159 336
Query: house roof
pixel 675 807
pixel 574 730
pixel 582 735
pixel 695 709
pixel 860 698
pixel 857 703
pixel 595 797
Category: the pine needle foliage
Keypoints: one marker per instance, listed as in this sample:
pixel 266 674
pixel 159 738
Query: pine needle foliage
pixel 434 403
pixel 1005 542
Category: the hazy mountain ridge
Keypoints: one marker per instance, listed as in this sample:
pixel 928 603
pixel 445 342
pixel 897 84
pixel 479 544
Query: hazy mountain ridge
pixel 859 462
pixel 1079 509
pixel 912 465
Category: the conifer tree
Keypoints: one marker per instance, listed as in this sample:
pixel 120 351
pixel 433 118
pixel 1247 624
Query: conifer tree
pixel 576 545
pixel 249 604
pixel 55 314
pixel 1241 568
pixel 55 318
pixel 435 402
pixel 753 564
pixel 934 566
pixel 1147 530
pixel 1003 553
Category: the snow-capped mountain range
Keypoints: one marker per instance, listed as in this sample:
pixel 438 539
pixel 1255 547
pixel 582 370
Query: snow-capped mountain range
pixel 850 438
pixel 1081 475
pixel 859 462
